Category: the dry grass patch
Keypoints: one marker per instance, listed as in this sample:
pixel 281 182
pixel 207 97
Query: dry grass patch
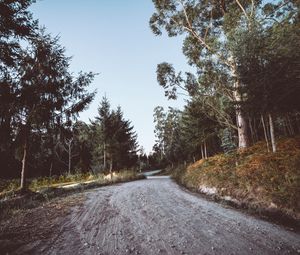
pixel 252 175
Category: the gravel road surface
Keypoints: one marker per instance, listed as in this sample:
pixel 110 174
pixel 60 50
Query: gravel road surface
pixel 152 216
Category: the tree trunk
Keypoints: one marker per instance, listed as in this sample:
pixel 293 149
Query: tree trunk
pixel 255 130
pixel 205 150
pixel 24 164
pixel 268 127
pixel 202 154
pixel 272 133
pixel 104 156
pixel 111 168
pixel 265 132
pixel 52 154
pixel 70 156
pixel 290 125
pixel 252 131
pixel 287 126
pixel 285 130
pixel 242 129
pixel 297 123
pixel 50 170
pixel 240 118
pixel 51 157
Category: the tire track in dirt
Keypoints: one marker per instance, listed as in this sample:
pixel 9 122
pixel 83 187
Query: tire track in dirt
pixel 157 217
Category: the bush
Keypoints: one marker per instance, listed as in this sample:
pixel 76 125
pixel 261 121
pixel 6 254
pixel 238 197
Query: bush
pixel 252 175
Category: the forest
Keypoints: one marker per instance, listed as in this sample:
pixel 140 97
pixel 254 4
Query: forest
pixel 223 176
pixel 40 102
pixel 245 87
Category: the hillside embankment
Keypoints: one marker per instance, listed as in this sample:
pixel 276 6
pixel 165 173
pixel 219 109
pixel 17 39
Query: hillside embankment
pixel 262 182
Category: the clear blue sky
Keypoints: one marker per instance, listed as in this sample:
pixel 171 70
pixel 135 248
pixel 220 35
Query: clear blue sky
pixel 113 38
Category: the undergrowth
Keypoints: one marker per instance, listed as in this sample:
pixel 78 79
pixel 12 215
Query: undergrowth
pixel 35 184
pixel 44 189
pixel 252 175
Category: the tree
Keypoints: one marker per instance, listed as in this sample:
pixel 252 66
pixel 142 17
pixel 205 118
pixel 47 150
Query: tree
pixel 102 130
pixel 124 141
pixel 168 133
pixel 45 91
pixel 209 28
pixel 115 139
pixel 16 26
pixel 200 129
pixel 83 136
pixel 268 59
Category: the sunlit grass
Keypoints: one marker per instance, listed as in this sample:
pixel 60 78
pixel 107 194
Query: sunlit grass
pixel 7 186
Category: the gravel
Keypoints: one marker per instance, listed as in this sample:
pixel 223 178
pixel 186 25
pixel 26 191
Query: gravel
pixel 156 216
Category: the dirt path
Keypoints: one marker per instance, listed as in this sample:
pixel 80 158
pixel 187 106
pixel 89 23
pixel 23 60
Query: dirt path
pixel 142 217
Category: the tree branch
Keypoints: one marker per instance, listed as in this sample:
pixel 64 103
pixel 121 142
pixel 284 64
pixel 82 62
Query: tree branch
pixel 252 8
pixel 242 8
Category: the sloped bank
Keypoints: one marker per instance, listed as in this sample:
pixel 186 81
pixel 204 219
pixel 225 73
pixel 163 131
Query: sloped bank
pixel 262 182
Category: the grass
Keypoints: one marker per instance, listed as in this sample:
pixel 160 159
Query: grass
pixel 254 176
pixel 42 182
pixel 44 189
pixel 8 186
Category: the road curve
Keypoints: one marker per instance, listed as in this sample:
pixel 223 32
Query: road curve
pixel 157 217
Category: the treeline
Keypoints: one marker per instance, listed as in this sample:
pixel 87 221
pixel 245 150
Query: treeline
pixel 40 100
pixel 246 85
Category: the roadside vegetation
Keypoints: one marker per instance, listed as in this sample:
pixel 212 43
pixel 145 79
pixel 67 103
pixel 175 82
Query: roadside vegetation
pixel 238 134
pixel 42 190
pixel 36 184
pixel 252 178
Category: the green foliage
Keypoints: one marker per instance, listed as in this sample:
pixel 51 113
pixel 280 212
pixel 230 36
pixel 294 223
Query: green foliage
pixel 114 139
pixel 246 57
pixel 37 184
pixel 228 143
pixel 169 147
pixel 39 97
pixel 184 136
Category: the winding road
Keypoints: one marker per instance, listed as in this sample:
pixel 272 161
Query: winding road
pixel 156 216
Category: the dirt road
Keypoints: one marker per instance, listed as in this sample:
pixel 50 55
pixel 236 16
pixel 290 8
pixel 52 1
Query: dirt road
pixel 143 217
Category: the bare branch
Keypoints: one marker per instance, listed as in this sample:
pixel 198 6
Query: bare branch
pixel 190 29
pixel 222 118
pixel 242 8
pixel 209 26
pixel 252 8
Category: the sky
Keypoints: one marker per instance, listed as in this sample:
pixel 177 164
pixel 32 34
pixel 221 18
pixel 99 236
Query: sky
pixel 113 38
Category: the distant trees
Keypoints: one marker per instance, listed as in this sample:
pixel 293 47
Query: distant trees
pixel 115 141
pixel 246 57
pixel 168 137
pixel 184 136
